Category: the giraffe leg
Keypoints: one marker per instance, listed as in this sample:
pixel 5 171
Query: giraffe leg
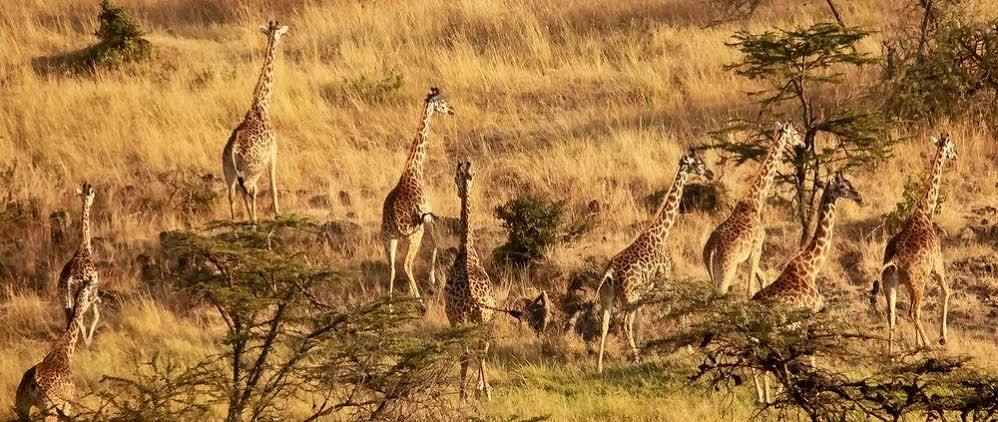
pixel 246 200
pixel 916 316
pixel 753 271
pixel 465 358
pixel 607 308
pixel 940 273
pixel 432 230
pixel 93 324
pixel 484 387
pixel 232 206
pixel 889 278
pixel 253 198
pixel 415 240
pixel 273 183
pixel 391 247
pixel 629 318
pixel 82 328
pixel 768 397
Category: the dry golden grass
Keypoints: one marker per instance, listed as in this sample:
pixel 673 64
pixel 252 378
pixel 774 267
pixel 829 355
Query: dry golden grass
pixel 580 100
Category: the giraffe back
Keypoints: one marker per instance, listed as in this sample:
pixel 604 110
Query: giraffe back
pixel 77 273
pixel 636 267
pixel 915 245
pixel 404 207
pixel 252 146
pixel 794 288
pixel 733 238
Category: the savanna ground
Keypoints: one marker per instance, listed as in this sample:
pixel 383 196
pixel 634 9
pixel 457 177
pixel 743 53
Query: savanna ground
pixel 579 101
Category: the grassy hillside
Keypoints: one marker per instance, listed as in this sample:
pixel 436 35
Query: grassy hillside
pixel 575 100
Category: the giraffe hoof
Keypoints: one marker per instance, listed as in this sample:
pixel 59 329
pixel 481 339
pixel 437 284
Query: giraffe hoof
pixel 942 341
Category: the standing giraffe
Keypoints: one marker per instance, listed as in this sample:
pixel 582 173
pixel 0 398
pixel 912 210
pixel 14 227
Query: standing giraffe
pixel 407 210
pixel 80 271
pixel 914 254
pixel 797 287
pixel 468 291
pixel 632 271
pixel 740 237
pixel 49 385
pixel 252 147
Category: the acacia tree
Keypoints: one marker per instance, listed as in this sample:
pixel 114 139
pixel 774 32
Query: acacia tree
pixel 796 69
pixel 284 344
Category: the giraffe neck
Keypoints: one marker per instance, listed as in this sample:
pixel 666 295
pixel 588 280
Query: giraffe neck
pixel 764 179
pixel 85 236
pixel 666 216
pixel 467 240
pixel 65 345
pixel 417 154
pixel 261 94
pixel 927 204
pixel 821 243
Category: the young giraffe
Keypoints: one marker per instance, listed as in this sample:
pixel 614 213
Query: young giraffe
pixel 796 287
pixel 632 271
pixel 49 385
pixel 80 271
pixel 468 291
pixel 740 237
pixel 252 147
pixel 914 254
pixel 407 210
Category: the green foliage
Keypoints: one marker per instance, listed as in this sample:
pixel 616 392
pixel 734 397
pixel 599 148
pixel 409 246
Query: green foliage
pixel 534 224
pixel 914 188
pixel 940 62
pixel 736 339
pixel 190 194
pixel 796 67
pixel 120 41
pixel 284 344
pixel 375 90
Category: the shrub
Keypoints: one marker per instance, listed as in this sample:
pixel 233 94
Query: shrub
pixel 120 41
pixel 534 224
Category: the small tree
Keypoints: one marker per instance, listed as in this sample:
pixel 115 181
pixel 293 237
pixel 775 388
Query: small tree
pixel 535 224
pixel 283 344
pixel 120 39
pixel 796 68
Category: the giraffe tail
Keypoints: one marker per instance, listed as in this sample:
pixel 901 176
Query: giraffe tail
pixel 608 275
pixel 888 270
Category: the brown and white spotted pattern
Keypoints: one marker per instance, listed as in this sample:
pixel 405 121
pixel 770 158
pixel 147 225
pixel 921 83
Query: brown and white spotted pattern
pixel 48 386
pixel 914 254
pixel 740 237
pixel 468 292
pixel 252 147
pixel 81 271
pixel 407 213
pixel 632 271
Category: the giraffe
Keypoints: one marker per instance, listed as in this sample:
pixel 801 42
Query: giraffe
pixel 407 211
pixel 796 287
pixel 468 290
pixel 914 254
pixel 80 271
pixel 252 147
pixel 632 271
pixel 740 237
pixel 49 385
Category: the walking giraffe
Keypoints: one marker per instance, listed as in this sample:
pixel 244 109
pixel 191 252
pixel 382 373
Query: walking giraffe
pixel 468 291
pixel 797 287
pixel 49 385
pixel 80 271
pixel 914 254
pixel 740 237
pixel 632 271
pixel 252 147
pixel 407 211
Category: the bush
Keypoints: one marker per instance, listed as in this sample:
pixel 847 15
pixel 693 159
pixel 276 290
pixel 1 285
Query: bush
pixel 534 224
pixel 120 41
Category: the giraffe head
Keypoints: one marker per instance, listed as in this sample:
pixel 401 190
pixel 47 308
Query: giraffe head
pixel 788 135
pixel 435 102
pixel 464 177
pixel 947 148
pixel 274 30
pixel 840 187
pixel 87 194
pixel 691 163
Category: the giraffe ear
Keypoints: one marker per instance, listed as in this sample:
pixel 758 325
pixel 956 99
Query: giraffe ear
pixel 264 30
pixel 282 30
pixel 79 191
